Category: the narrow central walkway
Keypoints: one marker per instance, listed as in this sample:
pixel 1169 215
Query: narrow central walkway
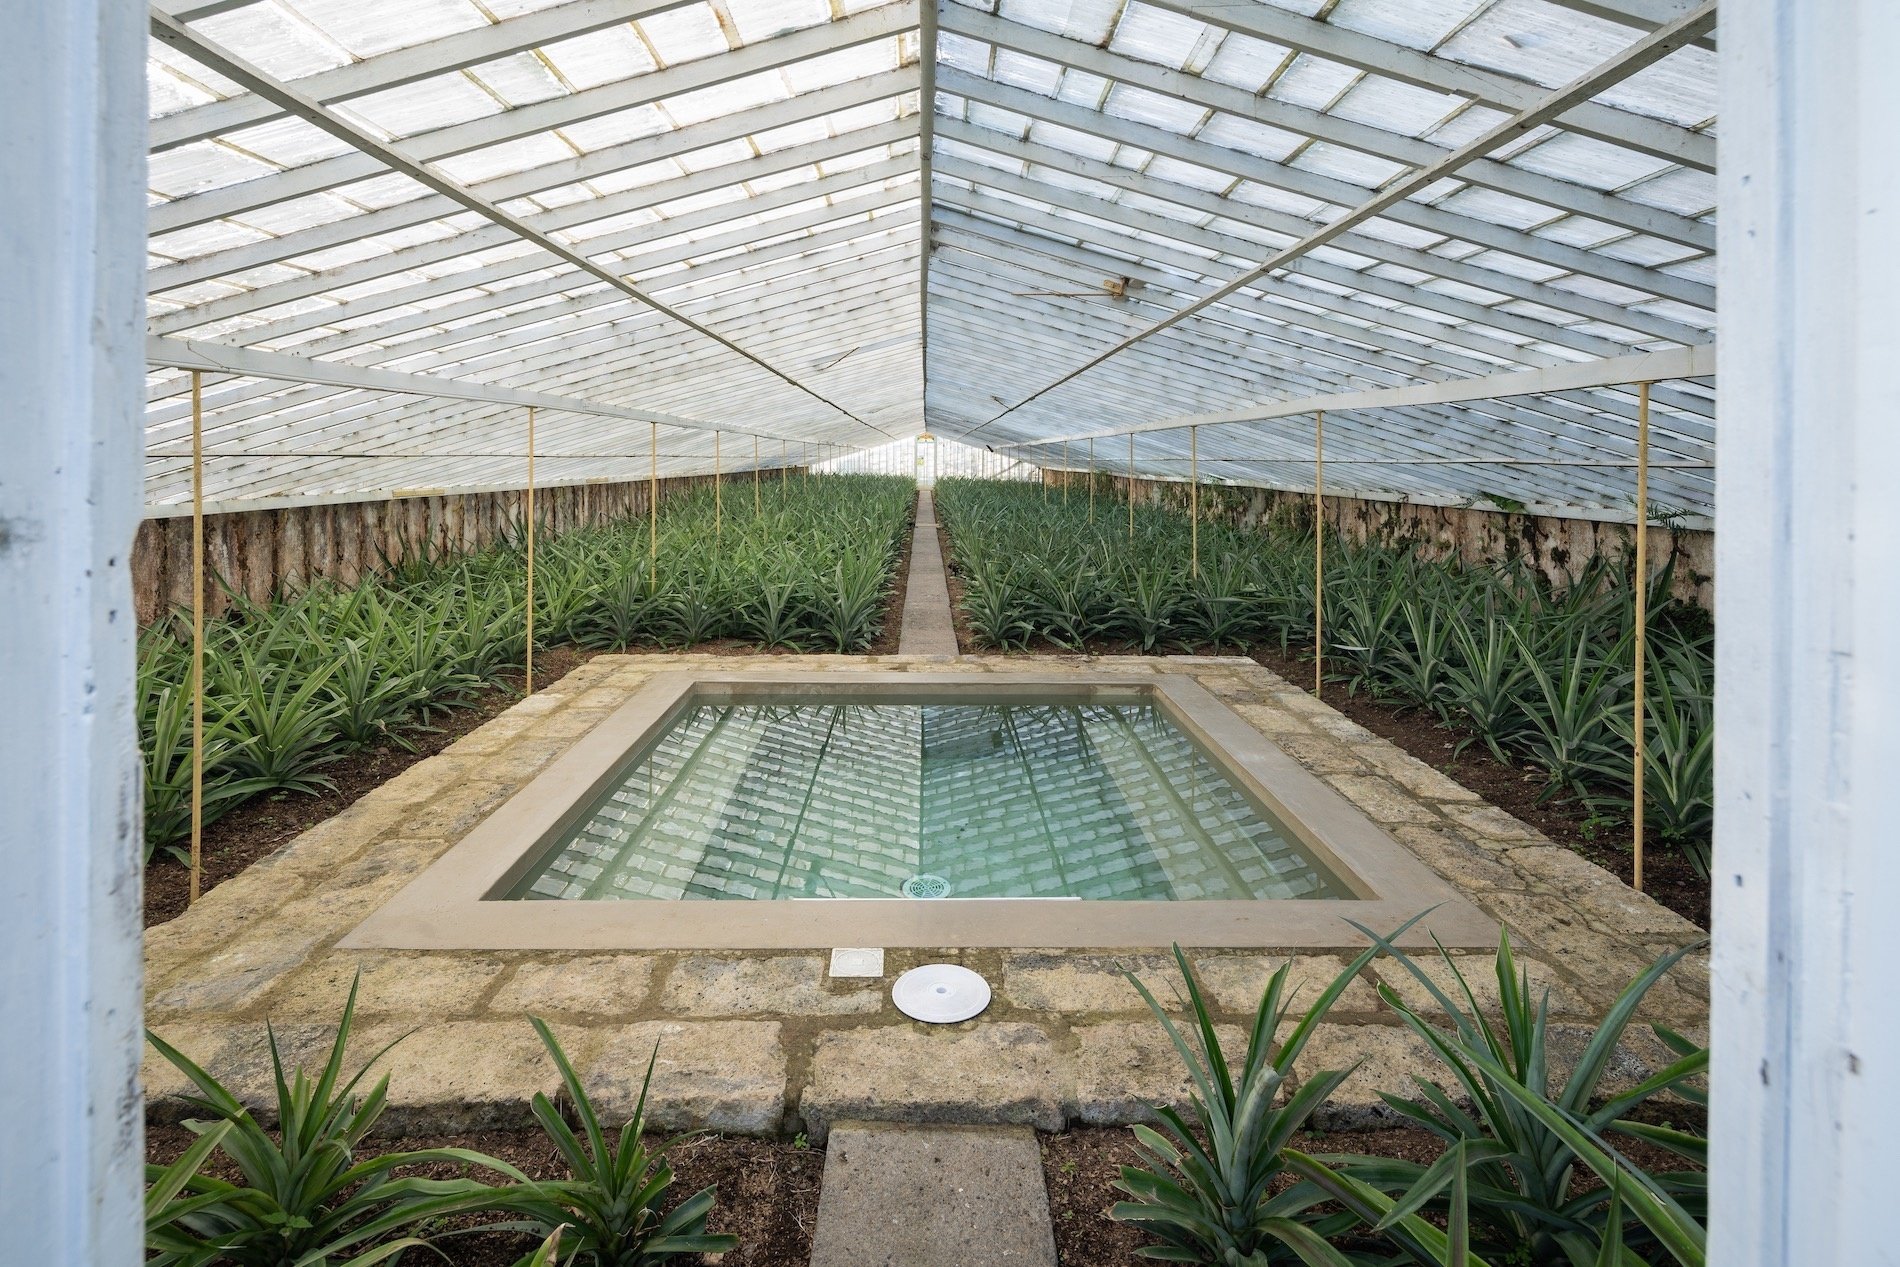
pixel 927 629
pixel 933 1196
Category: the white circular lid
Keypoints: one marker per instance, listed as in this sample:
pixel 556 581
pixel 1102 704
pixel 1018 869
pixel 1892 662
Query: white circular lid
pixel 940 993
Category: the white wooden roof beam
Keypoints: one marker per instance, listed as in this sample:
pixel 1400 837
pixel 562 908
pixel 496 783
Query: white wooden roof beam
pixel 353 309
pixel 413 64
pixel 1644 53
pixel 1520 182
pixel 718 131
pixel 180 36
pixel 1273 175
pixel 542 223
pixel 1501 92
pixel 510 125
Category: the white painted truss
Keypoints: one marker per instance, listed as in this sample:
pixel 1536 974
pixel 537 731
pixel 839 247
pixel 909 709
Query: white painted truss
pixel 380 230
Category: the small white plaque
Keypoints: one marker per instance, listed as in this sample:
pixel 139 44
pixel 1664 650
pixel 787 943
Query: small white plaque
pixel 857 961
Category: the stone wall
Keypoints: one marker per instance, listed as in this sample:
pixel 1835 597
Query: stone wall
pixel 263 553
pixel 1558 548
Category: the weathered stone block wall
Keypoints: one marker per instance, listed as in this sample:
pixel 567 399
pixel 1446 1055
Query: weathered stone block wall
pixel 264 553
pixel 1558 548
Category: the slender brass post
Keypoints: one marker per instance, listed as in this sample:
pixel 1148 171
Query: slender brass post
pixel 197 634
pixel 718 491
pixel 1319 553
pixel 1091 479
pixel 1194 501
pixel 1131 486
pixel 528 668
pixel 653 502
pixel 1642 614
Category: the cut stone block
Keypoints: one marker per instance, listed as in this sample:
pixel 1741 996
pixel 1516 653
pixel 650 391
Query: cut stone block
pixel 463 1075
pixel 435 985
pixel 941 1196
pixel 591 987
pixel 710 1075
pixel 1064 982
pixel 1125 1068
pixel 1480 974
pixel 793 985
pixel 1390 1059
pixel 1236 982
pixel 999 1073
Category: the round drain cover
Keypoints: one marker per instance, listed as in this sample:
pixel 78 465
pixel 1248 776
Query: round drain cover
pixel 940 993
pixel 925 886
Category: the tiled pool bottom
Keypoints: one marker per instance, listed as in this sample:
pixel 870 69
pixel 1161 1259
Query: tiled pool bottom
pixel 830 798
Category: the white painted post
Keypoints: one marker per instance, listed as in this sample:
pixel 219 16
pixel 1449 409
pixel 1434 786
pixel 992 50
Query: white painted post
pixel 72 94
pixel 1806 1082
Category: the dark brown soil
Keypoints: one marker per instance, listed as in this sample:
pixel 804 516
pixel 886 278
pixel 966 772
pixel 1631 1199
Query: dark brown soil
pixel 1667 876
pixel 767 1190
pixel 257 827
pixel 1080 1166
pixel 260 825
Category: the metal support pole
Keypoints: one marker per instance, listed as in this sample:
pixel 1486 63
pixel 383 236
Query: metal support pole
pixel 528 682
pixel 1319 554
pixel 784 460
pixel 1642 617
pixel 1194 501
pixel 755 477
pixel 1065 472
pixel 1091 479
pixel 653 503
pixel 718 492
pixel 1131 486
pixel 197 635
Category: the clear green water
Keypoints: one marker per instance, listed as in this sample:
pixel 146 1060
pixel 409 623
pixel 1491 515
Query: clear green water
pixel 809 799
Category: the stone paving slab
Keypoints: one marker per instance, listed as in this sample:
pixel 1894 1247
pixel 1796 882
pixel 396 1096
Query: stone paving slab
pixel 767 1042
pixel 907 1196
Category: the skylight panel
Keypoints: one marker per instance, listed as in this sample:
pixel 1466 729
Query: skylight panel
pixel 367 30
pixel 270 38
pixel 600 57
pixel 506 159
pixel 288 142
pixel 424 106
pixel 1155 35
pixel 684 35
pixel 1142 106
pixel 520 80
pixel 202 165
pixel 1347 165
pixel 1259 139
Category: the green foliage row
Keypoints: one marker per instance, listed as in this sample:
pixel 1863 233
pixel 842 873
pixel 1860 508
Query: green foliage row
pixel 1223 1184
pixel 1535 674
pixel 306 1196
pixel 292 685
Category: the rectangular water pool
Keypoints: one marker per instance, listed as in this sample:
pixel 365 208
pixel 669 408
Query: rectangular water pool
pixel 980 798
pixel 778 808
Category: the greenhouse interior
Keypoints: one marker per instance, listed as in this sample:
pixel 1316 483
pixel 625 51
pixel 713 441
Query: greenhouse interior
pixel 941 633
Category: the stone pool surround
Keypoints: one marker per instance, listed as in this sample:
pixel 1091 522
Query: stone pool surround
pixel 763 1042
